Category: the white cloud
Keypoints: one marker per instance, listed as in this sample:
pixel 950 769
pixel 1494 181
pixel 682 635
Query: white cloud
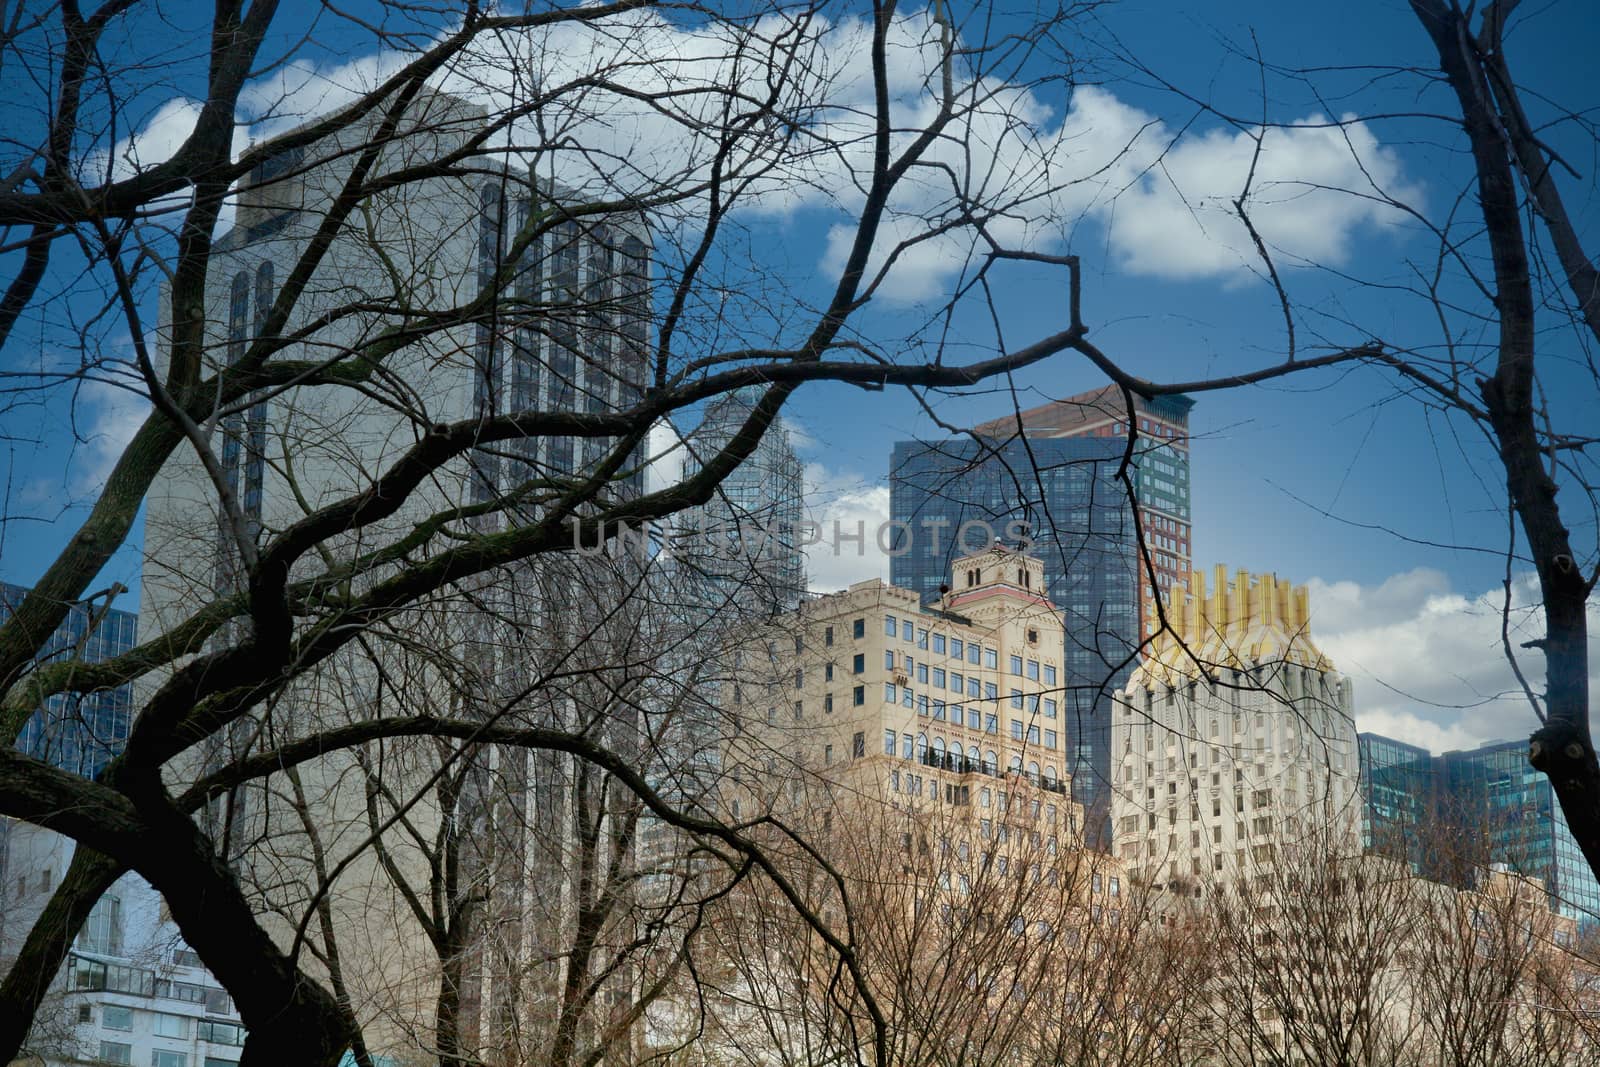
pixel 1428 663
pixel 1164 196
pixel 849 511
pixel 665 455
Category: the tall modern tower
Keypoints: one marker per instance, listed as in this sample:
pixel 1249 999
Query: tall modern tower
pixel 742 547
pixel 1049 476
pixel 1161 459
pixel 79 732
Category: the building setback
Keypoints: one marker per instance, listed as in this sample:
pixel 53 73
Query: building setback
pixel 1234 738
pixel 1049 476
pixel 1453 815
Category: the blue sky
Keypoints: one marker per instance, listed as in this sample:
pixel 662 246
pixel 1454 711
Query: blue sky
pixel 1334 478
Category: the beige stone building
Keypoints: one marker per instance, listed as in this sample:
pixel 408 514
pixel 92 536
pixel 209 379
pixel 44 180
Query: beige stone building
pixel 1234 736
pixel 956 705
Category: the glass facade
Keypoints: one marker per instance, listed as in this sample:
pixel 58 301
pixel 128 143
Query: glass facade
pixel 79 732
pixel 1450 815
pixel 1062 494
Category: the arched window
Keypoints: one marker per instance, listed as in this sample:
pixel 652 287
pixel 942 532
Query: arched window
pixel 1033 770
pixel 938 752
pixel 974 759
pixel 991 762
pixel 1015 766
pixel 1050 777
pixel 922 748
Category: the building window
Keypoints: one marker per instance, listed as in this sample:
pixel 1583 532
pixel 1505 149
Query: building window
pixel 858 664
pixel 827 704
pixel 1033 735
pixel 888 626
pixel 991 691
pixel 922 673
pixel 1016 665
pixel 991 659
pixel 163 1058
pixel 860 696
pixel 858 745
pixel 1033 670
pixel 1049 708
pixel 827 672
pixel 102 932
pixel 1049 675
pixel 827 637
pixel 858 629
pixel 1016 698
pixel 889 695
pixel 116 1052
pixel 889 739
pixel 171 1025
pixel 888 660
pixel 1016 729
pixel 1049 739
pixel 938 643
pixel 799 678
pixel 827 755
pixel 957 649
pixel 991 724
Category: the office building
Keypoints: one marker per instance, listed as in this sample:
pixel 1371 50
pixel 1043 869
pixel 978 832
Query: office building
pixel 1049 476
pixel 741 549
pixel 1160 459
pixel 131 991
pixel 1455 815
pixel 80 732
pixel 1397 787
pixel 1234 738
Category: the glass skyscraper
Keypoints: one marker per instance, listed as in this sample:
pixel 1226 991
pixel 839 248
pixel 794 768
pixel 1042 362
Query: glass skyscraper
pixel 79 732
pixel 1453 814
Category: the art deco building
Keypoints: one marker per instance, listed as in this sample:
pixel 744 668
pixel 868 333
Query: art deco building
pixel 1233 738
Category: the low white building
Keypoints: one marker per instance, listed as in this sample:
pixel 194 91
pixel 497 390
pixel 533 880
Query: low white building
pixel 131 992
pixel 1233 737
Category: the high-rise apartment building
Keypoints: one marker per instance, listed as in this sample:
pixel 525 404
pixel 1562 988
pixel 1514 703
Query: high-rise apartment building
pixel 741 549
pixel 79 732
pixel 1049 476
pixel 1454 815
pixel 1234 737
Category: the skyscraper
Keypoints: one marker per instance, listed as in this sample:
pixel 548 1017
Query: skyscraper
pixel 1397 784
pixel 80 732
pixel 548 303
pixel 742 547
pixel 1161 462
pixel 1049 476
